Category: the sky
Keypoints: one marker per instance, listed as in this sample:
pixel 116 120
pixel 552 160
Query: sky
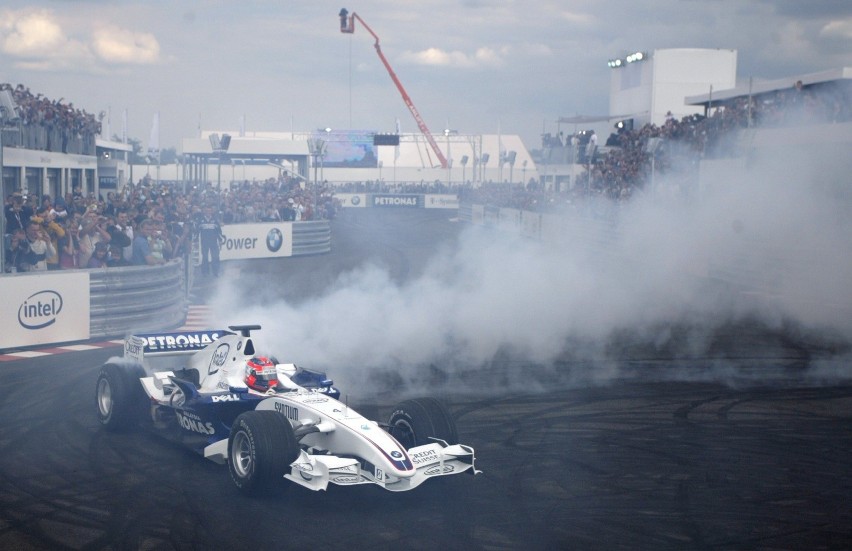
pixel 475 66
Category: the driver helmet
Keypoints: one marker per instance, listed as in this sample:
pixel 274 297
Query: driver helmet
pixel 261 374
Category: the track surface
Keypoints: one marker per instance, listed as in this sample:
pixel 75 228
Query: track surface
pixel 635 464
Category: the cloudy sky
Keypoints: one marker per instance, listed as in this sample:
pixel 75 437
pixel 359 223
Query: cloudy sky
pixel 477 65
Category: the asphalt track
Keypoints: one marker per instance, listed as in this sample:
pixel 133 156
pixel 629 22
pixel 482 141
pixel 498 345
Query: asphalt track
pixel 637 463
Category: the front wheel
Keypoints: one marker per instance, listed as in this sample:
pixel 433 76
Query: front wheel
pixel 119 396
pixel 261 448
pixel 419 421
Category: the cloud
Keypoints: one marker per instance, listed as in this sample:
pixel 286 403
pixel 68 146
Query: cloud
pixel 115 45
pixel 580 19
pixel 39 41
pixel 31 34
pixel 838 29
pixel 482 57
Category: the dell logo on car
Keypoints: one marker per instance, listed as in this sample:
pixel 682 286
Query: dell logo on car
pixel 40 310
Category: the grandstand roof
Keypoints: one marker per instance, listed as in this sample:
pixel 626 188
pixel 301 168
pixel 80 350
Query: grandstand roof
pixel 765 86
pixel 249 147
pixel 589 119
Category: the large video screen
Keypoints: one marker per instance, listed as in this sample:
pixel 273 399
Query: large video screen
pixel 348 148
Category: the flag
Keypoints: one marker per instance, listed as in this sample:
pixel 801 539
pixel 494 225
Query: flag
pixel 154 141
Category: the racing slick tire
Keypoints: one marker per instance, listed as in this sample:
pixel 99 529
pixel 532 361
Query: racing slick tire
pixel 119 396
pixel 261 448
pixel 416 422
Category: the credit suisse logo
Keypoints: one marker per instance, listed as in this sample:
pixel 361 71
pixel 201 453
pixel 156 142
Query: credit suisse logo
pixel 40 309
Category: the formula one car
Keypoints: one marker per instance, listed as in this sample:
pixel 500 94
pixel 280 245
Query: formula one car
pixel 271 421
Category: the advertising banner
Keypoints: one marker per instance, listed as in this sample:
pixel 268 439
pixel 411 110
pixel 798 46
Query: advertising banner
pixel 44 308
pixel 397 200
pixel 245 241
pixel 443 201
pixel 352 200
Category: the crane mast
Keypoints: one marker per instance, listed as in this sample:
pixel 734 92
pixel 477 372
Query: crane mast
pixel 347 25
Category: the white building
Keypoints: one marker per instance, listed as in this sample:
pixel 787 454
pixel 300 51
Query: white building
pixel 646 86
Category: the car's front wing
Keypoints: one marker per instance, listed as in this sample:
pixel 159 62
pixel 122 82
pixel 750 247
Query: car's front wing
pixel 316 471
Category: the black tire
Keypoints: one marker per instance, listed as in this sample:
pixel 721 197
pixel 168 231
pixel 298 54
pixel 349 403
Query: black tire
pixel 416 422
pixel 120 399
pixel 261 448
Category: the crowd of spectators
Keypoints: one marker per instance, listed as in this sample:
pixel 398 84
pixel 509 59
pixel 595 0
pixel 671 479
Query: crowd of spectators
pixel 50 125
pixel 88 231
pixel 626 168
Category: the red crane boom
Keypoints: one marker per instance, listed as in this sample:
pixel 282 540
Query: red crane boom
pixel 347 25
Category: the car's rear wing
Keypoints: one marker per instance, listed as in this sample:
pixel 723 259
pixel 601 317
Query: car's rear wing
pixel 136 347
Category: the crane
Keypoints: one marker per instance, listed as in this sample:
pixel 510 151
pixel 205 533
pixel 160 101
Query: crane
pixel 347 25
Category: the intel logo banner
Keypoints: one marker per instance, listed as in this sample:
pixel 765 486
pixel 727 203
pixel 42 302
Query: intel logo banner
pixel 44 308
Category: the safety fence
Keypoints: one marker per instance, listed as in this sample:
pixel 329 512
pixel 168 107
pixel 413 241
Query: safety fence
pixel 78 305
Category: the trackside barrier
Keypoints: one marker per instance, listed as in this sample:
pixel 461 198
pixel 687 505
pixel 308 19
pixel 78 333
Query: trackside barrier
pixel 311 238
pixel 136 298
pixel 78 305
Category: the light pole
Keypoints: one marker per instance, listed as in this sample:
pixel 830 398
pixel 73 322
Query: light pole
pixel 317 149
pixel 464 167
pixel 220 147
pixel 524 172
pixel 483 161
pixel 447 133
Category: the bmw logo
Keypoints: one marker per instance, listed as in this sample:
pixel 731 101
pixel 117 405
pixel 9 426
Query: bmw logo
pixel 356 200
pixel 274 240
pixel 396 455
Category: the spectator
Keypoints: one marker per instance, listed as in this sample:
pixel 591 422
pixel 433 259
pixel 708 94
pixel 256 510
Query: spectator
pixel 122 224
pixel 158 245
pixel 40 247
pixel 16 252
pixel 116 257
pixel 55 231
pixel 69 246
pixel 100 257
pixel 141 251
pixel 17 213
pixel 93 232
pixel 211 237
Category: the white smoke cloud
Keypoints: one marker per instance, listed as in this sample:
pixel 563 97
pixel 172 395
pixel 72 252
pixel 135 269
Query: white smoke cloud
pixel 779 249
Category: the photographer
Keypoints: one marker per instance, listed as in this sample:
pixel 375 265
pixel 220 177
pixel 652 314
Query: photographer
pixel 16 252
pixel 17 213
pixel 54 231
pixel 69 247
pixel 40 247
pixel 93 232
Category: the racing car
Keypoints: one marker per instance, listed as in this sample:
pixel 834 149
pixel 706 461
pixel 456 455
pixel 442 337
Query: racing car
pixel 269 421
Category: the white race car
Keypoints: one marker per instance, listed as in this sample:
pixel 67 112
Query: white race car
pixel 270 421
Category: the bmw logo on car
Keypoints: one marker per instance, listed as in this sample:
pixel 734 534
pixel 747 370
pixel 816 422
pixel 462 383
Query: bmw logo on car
pixel 274 240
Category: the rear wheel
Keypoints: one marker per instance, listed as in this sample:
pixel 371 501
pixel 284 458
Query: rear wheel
pixel 417 422
pixel 261 448
pixel 119 396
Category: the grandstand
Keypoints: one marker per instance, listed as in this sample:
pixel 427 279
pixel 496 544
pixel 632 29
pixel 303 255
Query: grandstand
pixel 351 156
